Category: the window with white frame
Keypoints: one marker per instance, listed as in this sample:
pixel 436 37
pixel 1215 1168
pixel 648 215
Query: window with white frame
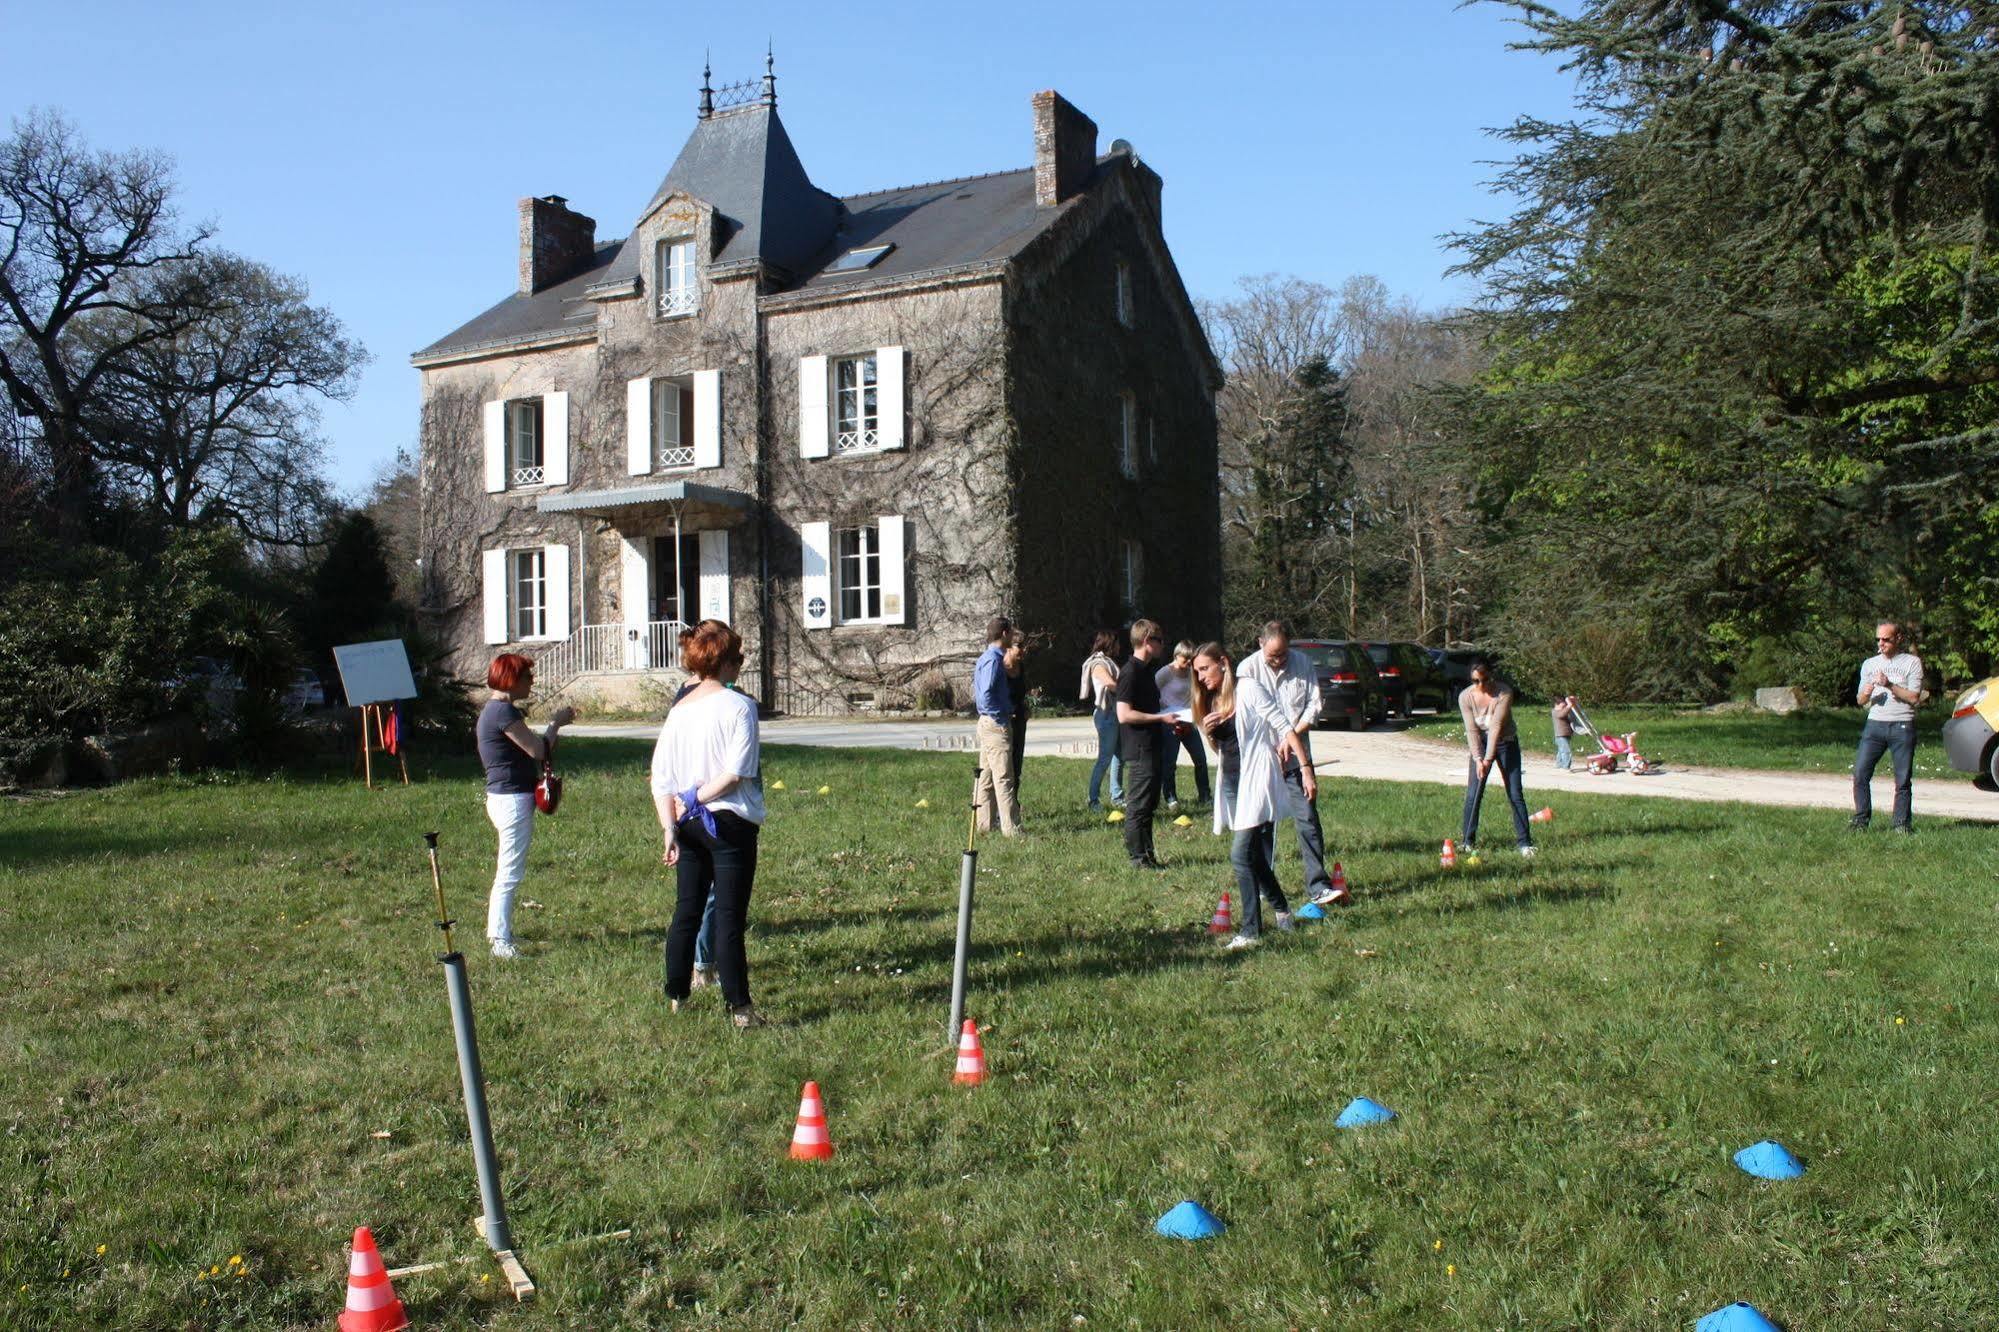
pixel 1134 573
pixel 527 586
pixel 1124 312
pixel 857 573
pixel 672 423
pixel 524 456
pixel 1127 407
pixel 856 412
pixel 673 278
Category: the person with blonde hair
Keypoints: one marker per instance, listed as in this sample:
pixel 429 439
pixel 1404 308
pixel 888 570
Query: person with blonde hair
pixel 1252 737
pixel 1175 680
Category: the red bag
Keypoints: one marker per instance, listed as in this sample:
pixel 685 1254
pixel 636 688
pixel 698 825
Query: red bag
pixel 547 791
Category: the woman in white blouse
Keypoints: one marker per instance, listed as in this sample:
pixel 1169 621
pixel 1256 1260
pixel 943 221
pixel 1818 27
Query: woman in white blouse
pixel 707 789
pixel 1249 732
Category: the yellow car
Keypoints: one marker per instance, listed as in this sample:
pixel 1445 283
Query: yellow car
pixel 1971 736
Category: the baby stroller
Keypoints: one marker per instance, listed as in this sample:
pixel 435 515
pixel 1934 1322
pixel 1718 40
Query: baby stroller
pixel 1610 748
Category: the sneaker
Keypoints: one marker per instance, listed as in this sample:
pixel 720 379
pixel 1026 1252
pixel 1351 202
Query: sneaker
pixel 1905 828
pixel 504 948
pixel 1526 853
pixel 1328 896
pixel 747 1017
pixel 1096 807
pixel 1856 824
pixel 1284 922
pixel 673 1005
pixel 1241 942
pixel 702 978
pixel 1172 805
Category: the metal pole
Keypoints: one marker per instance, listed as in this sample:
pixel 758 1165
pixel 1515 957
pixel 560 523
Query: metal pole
pixel 498 1235
pixel 968 874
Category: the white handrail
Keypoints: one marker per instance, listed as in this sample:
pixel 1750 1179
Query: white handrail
pixel 610 649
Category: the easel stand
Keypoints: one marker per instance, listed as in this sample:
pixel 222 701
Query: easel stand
pixel 371 714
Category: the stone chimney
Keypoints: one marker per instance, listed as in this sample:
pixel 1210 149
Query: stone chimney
pixel 1065 149
pixel 556 244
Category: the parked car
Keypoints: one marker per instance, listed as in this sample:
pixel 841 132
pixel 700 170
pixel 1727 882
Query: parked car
pixel 1349 689
pixel 210 680
pixel 305 692
pixel 1456 664
pixel 1971 736
pixel 1409 679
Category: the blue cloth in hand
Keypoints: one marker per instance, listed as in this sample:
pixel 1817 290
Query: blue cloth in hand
pixel 692 808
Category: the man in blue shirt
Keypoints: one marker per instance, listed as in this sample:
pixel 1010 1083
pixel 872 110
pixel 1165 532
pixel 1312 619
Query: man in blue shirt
pixel 997 795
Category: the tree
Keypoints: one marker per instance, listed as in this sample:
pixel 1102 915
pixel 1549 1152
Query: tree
pixel 78 228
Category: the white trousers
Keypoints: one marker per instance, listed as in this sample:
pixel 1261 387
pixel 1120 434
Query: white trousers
pixel 513 818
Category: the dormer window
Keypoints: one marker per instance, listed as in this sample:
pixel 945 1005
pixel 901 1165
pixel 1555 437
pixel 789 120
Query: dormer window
pixel 673 278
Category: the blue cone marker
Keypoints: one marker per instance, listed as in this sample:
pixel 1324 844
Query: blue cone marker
pixel 1310 911
pixel 1736 1317
pixel 1769 1160
pixel 1360 1112
pixel 1189 1220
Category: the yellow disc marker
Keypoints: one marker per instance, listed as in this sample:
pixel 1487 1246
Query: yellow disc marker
pixel 1183 822
pixel 1116 816
pixel 923 804
pixel 777 786
pixel 825 790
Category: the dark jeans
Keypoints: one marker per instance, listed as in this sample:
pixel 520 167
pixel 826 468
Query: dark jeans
pixel 1169 762
pixel 1507 759
pixel 725 865
pixel 1254 855
pixel 1876 738
pixel 1017 743
pixel 1141 787
pixel 1107 759
pixel 1311 838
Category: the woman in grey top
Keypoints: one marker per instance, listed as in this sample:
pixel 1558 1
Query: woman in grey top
pixel 1487 708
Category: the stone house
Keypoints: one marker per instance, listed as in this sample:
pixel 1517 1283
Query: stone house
pixel 852 427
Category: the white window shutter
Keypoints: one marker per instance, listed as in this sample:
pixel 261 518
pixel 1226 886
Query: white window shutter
pixel 812 407
pixel 635 596
pixel 555 439
pixel 707 421
pixel 496 450
pixel 556 570
pixel 894 610
pixel 714 572
pixel 889 396
pixel 493 593
pixel 816 576
pixel 638 427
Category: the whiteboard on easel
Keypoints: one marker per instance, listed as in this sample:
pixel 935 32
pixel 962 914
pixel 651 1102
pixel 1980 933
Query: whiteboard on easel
pixel 374 672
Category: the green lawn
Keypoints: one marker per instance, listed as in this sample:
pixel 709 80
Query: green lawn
pixel 217 993
pixel 1813 740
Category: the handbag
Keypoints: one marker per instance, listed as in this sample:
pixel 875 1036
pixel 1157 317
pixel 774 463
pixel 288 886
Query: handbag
pixel 548 791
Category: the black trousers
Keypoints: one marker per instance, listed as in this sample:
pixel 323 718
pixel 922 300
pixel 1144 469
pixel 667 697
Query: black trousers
pixel 1140 746
pixel 725 865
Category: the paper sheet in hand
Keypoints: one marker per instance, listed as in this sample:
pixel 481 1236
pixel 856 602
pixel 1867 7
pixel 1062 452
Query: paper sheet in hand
pixel 374 672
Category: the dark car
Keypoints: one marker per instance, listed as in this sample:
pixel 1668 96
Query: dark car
pixel 1349 688
pixel 1457 672
pixel 1409 679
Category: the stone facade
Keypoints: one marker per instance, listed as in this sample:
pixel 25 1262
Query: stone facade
pixel 1038 414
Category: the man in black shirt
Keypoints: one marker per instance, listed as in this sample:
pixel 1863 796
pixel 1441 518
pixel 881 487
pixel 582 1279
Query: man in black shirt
pixel 1140 732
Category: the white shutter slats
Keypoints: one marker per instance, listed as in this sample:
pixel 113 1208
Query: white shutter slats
pixel 495 431
pixel 638 427
pixel 816 574
pixel 555 439
pixel 894 579
pixel 493 585
pixel 555 567
pixel 635 596
pixel 812 407
pixel 889 397
pixel 708 418
pixel 715 576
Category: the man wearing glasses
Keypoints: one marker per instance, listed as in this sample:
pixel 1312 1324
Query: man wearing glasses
pixel 1891 685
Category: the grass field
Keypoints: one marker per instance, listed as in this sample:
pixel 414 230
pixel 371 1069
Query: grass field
pixel 1814 740
pixel 216 994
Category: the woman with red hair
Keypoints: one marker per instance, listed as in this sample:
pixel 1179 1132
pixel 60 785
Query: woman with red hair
pixel 512 755
pixel 707 788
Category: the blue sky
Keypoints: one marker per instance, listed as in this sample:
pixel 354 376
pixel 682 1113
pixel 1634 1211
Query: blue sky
pixel 378 151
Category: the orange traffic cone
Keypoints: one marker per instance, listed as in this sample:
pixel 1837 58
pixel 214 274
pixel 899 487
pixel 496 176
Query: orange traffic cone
pixel 810 1141
pixel 1545 814
pixel 1341 894
pixel 971 1057
pixel 1223 921
pixel 1449 860
pixel 372 1305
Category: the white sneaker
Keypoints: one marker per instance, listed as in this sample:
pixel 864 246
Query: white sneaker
pixel 1284 922
pixel 1326 897
pixel 504 948
pixel 1240 942
pixel 1526 853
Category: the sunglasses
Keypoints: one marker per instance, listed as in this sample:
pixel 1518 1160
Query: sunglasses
pixel 1885 638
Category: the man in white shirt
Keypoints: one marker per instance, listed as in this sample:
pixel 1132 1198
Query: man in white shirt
pixel 1287 676
pixel 1891 685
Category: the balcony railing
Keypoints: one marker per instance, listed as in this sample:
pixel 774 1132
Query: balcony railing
pixel 857 441
pixel 677 301
pixel 676 456
pixel 608 649
pixel 527 476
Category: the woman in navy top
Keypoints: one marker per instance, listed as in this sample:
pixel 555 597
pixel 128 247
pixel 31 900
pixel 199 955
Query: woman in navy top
pixel 512 755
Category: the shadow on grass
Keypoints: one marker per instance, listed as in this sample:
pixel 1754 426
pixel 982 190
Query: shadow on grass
pixel 26 847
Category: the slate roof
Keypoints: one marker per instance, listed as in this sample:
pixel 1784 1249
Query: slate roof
pixel 742 163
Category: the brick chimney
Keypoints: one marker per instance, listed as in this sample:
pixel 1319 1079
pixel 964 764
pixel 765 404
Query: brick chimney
pixel 555 243
pixel 1065 149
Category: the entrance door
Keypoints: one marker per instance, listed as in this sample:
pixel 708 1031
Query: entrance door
pixel 683 604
